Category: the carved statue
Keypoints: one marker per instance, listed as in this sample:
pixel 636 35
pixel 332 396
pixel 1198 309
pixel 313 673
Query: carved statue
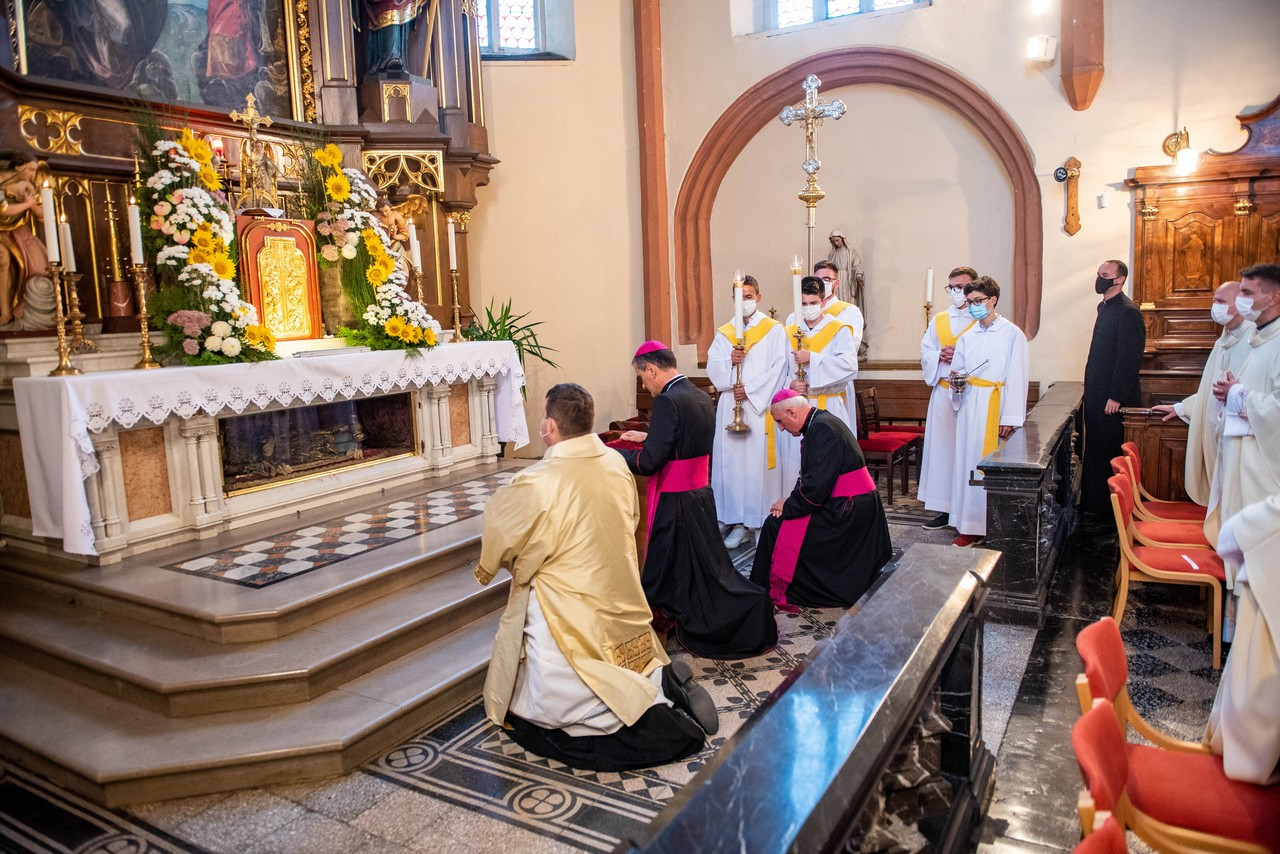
pixel 852 281
pixel 259 176
pixel 387 25
pixel 26 292
pixel 396 225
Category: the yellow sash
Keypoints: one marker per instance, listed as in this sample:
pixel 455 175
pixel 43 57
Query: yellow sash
pixel 752 336
pixel 822 398
pixel 835 308
pixel 942 326
pixel 816 342
pixel 992 436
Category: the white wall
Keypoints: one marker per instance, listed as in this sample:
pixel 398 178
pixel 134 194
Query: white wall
pixel 558 228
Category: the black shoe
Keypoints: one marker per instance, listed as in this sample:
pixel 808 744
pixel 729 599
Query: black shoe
pixel 939 521
pixel 689 696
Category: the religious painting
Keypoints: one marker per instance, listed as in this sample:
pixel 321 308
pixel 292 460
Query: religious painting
pixel 202 52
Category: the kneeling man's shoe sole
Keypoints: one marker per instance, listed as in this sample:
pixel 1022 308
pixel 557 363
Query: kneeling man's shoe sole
pixel 688 695
pixel 939 521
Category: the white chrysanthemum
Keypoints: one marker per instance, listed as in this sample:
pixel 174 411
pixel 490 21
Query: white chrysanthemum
pixel 213 344
pixel 348 252
pixel 231 347
pixel 221 329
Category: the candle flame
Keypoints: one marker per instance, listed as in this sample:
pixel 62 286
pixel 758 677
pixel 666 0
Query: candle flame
pixel 132 200
pixel 62 218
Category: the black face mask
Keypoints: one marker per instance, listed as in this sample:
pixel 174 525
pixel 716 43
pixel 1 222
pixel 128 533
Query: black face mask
pixel 1102 284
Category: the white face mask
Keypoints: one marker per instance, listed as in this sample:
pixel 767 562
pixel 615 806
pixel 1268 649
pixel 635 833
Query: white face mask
pixel 957 297
pixel 1221 313
pixel 748 308
pixel 1244 306
pixel 811 312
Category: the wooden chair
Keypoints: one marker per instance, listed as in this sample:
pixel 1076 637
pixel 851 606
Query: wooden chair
pixel 1150 507
pixel 1175 802
pixel 885 448
pixel 1107 839
pixel 1163 565
pixel 1153 532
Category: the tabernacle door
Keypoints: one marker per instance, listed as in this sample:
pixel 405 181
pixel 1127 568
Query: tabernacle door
pixel 278 274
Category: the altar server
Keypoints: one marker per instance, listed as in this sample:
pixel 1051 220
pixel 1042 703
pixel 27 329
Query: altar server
pixel 829 356
pixel 825 542
pixel 847 313
pixel 577 673
pixel 1251 422
pixel 687 571
pixel 936 351
pixel 993 357
pixel 745 476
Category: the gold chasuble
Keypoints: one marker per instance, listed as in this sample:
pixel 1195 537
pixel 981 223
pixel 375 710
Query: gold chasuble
pixel 565 529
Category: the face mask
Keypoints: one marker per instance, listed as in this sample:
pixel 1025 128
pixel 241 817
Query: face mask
pixel 546 435
pixel 748 307
pixel 811 312
pixel 1102 285
pixel 978 312
pixel 1244 306
pixel 957 298
pixel 1221 313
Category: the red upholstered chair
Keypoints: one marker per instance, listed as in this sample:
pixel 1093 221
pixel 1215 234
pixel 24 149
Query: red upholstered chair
pixel 1159 533
pixel 885 448
pixel 1106 674
pixel 1150 507
pixel 1163 565
pixel 1107 839
pixel 1178 802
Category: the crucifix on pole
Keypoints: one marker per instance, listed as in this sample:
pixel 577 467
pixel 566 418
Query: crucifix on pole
pixel 812 112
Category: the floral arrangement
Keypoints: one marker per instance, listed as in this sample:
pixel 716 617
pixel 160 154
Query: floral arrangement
pixel 192 234
pixel 352 237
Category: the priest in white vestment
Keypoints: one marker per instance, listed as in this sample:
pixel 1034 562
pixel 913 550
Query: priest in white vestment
pixel 829 356
pixel 1244 724
pixel 1250 462
pixel 1202 411
pixel 745 476
pixel 937 349
pixel 993 354
pixel 578 674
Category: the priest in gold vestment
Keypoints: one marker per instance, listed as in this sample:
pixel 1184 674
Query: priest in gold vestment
pixel 578 674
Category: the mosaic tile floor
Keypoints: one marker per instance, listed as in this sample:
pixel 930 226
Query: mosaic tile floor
pixel 293 553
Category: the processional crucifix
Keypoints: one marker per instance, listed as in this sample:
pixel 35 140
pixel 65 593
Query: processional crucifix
pixel 812 112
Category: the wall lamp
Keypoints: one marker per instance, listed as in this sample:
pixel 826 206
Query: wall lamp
pixel 1178 146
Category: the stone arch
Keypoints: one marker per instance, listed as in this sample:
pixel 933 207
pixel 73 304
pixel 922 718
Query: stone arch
pixel 760 104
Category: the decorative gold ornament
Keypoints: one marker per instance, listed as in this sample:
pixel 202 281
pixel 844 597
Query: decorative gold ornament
pixel 461 218
pixel 51 131
pixel 1149 212
pixel 421 168
pixel 1244 207
pixel 391 91
pixel 147 362
pixel 282 265
pixel 64 368
pixel 306 76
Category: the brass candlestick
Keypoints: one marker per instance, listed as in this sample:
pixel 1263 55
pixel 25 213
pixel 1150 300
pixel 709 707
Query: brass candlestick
pixel 737 425
pixel 457 309
pixel 75 315
pixel 928 307
pixel 65 368
pixel 415 282
pixel 800 371
pixel 146 363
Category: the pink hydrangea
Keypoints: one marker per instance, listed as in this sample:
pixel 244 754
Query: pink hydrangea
pixel 191 347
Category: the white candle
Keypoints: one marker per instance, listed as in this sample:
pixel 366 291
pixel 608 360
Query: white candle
pixel 67 248
pixel 415 248
pixel 928 286
pixel 50 224
pixel 135 232
pixel 795 287
pixel 453 247
pixel 737 305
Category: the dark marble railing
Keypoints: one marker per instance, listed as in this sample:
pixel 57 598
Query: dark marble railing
pixel 1032 482
pixel 882 722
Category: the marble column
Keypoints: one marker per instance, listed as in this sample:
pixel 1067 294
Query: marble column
pixel 114 506
pixel 488 416
pixel 441 444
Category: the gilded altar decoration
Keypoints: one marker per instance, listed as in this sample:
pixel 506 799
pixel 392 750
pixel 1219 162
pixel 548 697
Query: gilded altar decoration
pixel 352 238
pixel 190 231
pixel 278 274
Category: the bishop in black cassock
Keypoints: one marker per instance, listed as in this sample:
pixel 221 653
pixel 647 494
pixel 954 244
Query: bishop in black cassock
pixel 687 572
pixel 825 543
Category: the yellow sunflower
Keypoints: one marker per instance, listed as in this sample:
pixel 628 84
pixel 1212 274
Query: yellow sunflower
pixel 376 276
pixel 199 256
pixel 412 333
pixel 329 156
pixel 210 178
pixel 203 237
pixel 429 337
pixel 224 267
pixel 260 336
pixel 395 327
pixel 338 188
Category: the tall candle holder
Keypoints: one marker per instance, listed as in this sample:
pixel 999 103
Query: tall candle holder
pixel 457 309
pixel 65 368
pixel 415 282
pixel 737 425
pixel 928 307
pixel 146 363
pixel 75 315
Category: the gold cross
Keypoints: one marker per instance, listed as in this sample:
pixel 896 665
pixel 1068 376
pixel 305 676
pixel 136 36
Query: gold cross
pixel 251 117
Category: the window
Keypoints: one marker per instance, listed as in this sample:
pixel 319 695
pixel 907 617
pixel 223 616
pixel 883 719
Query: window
pixel 792 13
pixel 509 27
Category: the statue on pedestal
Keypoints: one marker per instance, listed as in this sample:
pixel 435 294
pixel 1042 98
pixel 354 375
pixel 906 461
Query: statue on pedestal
pixel 26 292
pixel 387 24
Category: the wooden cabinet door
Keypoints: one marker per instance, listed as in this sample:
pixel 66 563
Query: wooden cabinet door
pixel 1190 251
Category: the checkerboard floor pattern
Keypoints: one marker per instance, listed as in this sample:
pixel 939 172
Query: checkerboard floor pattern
pixel 292 553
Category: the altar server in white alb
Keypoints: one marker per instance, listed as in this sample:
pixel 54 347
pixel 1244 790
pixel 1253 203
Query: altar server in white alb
pixel 745 475
pixel 937 349
pixel 993 356
pixel 829 356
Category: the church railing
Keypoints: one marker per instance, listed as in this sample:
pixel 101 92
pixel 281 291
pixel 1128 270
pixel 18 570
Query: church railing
pixel 877 736
pixel 1032 482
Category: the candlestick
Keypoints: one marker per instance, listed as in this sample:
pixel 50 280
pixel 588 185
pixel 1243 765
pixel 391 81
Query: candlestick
pixel 415 281
pixel 75 317
pixel 64 368
pixel 928 307
pixel 140 282
pixel 453 246
pixel 928 287
pixel 457 309
pixel 50 224
pixel 135 233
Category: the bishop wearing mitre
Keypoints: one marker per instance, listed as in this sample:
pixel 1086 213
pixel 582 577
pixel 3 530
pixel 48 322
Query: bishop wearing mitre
pixel 745 476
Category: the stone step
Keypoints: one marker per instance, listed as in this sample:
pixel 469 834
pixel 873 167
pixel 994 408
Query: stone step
pixel 179 675
pixel 116 752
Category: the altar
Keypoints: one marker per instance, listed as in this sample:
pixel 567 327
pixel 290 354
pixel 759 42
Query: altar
pixel 121 461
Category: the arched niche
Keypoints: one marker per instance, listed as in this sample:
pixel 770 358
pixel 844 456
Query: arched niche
pixel 760 104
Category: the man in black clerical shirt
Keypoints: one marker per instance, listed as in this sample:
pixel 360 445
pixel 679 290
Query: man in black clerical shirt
pixel 687 572
pixel 1110 382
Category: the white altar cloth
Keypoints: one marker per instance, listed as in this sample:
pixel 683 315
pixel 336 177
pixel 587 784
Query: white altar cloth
pixel 57 414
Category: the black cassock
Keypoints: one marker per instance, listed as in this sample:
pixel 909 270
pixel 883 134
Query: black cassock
pixel 687 572
pixel 1115 355
pixel 847 541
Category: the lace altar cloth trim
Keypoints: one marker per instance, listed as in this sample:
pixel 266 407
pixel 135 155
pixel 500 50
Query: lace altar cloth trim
pixel 58 414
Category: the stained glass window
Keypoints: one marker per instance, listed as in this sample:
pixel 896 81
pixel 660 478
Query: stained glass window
pixel 509 26
pixel 836 8
pixel 792 13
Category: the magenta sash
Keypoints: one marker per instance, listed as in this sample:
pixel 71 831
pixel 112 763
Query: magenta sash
pixel 786 549
pixel 677 476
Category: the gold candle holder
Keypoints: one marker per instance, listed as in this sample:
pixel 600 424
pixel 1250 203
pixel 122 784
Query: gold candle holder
pixel 65 368
pixel 800 371
pixel 737 425
pixel 75 315
pixel 415 282
pixel 146 363
pixel 457 309
pixel 928 307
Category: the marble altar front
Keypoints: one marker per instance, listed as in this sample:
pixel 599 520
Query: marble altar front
pixel 114 462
